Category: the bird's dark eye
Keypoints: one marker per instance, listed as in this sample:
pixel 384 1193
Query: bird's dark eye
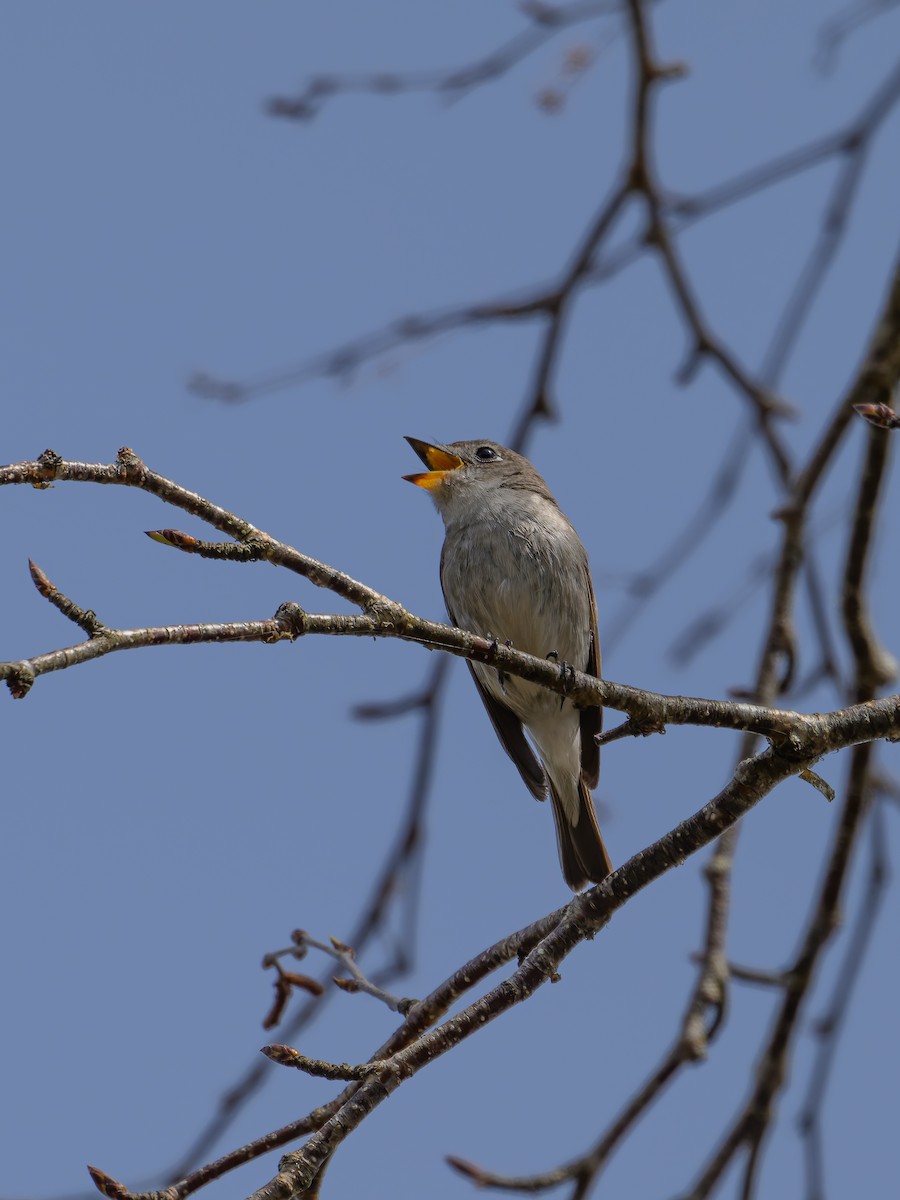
pixel 486 453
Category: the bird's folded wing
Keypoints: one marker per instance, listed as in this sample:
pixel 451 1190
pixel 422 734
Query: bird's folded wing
pixel 591 718
pixel 512 736
pixel 508 728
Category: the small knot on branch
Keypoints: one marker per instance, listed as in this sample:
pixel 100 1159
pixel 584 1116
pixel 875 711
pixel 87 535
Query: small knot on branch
pixel 19 679
pixel 49 462
pixel 633 727
pixel 666 72
pixel 291 620
pixel 130 465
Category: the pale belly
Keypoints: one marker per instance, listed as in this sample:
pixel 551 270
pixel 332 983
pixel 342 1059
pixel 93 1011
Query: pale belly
pixel 517 590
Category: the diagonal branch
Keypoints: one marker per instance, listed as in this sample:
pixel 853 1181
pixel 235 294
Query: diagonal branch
pixel 541 948
pixel 547 21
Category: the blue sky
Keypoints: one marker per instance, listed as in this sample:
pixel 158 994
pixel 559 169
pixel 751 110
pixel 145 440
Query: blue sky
pixel 170 816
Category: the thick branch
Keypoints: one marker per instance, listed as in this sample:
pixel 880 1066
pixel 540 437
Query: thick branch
pixel 541 947
pixel 646 710
pixel 584 918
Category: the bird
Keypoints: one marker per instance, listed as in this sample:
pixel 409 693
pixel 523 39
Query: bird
pixel 514 569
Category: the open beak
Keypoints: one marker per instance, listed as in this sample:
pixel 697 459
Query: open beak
pixel 439 461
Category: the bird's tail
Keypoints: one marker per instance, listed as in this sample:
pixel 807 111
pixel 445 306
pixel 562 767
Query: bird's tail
pixel 582 854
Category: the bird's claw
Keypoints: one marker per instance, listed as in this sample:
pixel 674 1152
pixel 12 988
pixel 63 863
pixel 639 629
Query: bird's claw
pixel 566 671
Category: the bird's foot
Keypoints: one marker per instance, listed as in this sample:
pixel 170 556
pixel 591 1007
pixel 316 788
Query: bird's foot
pixel 501 675
pixel 566 671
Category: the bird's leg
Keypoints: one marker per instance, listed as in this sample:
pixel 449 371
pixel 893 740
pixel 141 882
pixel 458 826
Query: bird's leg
pixel 567 672
pixel 501 675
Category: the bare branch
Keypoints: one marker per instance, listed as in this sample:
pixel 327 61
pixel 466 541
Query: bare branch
pixel 547 21
pixel 541 948
pixel 835 32
pixel 585 916
pixel 828 1027
pixel 287 1056
pixel 396 887
pixel 346 957
pixel 646 709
